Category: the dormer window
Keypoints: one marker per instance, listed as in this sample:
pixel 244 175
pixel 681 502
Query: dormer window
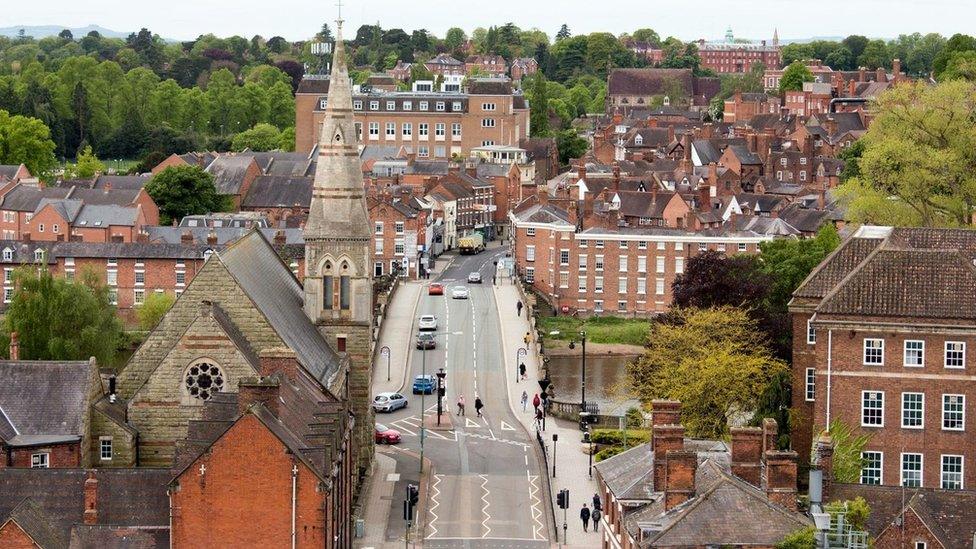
pixel 639 140
pixel 38 255
pixel 8 254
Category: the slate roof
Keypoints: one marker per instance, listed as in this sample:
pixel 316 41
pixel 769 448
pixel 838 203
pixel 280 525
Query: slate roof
pixel 710 150
pixel 537 147
pixel 126 497
pixel 629 474
pixel 103 196
pixel 807 220
pixel 279 191
pixel 444 59
pixel 277 294
pixel 8 171
pixel 427 167
pixel 229 171
pixel 745 156
pixel 35 523
pixel 171 238
pixel 118 537
pixel 44 398
pixel 23 252
pixel 650 137
pixel 283 163
pixel 122 182
pixel 489 86
pixel 106 215
pixel 644 204
pixel 67 209
pixel 25 198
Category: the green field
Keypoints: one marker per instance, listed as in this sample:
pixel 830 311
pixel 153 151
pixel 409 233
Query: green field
pixel 607 329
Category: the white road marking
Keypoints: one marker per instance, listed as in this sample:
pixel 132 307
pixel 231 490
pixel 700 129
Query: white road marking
pixel 392 477
pixel 468 422
pixel 486 437
pixel 484 508
pixel 404 429
pixel 507 427
pixel 534 506
pixel 436 504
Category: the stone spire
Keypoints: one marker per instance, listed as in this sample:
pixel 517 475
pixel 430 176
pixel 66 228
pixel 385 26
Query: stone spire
pixel 338 208
pixel 775 36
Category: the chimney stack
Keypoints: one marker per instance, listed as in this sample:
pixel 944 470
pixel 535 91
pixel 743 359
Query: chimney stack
pixel 770 431
pixel 665 412
pixel 780 476
pixel 665 438
pixel 212 238
pixel 253 390
pixel 880 75
pixel 14 346
pixel 186 237
pixel 581 170
pixel 91 502
pixel 824 460
pixel 679 480
pixel 279 238
pixel 896 69
pixel 543 195
pixel 616 176
pixel 862 74
pixel 747 451
pixel 278 359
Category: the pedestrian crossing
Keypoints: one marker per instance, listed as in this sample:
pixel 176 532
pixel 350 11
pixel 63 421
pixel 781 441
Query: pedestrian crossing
pixel 410 426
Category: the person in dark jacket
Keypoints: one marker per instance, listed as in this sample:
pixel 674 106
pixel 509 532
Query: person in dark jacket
pixel 597 504
pixel 585 517
pixel 596 520
pixel 478 405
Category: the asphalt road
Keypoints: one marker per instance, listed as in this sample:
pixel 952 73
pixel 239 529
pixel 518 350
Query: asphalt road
pixel 486 490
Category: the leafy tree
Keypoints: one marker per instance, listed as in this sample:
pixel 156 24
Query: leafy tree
pixel 454 39
pixel 287 140
pixel 262 137
pixel 649 36
pixel 563 32
pixel 848 446
pixel 797 52
pixel 856 43
pixel 805 538
pixel 325 34
pixel 787 262
pixel 856 512
pixel 839 59
pixel 918 166
pixel 58 319
pixel 153 309
pixel 875 55
pixel 88 165
pixel 852 160
pixel 184 190
pixel 26 140
pixel 713 280
pixel 539 107
pixel 957 43
pixel 714 361
pixel 570 145
pixel 66 35
pixel 794 76
pixel 961 66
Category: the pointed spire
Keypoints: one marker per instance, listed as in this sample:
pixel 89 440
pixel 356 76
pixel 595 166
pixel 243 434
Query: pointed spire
pixel 338 209
pixel 775 36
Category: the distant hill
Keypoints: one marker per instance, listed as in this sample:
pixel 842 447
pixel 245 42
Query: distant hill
pixel 41 31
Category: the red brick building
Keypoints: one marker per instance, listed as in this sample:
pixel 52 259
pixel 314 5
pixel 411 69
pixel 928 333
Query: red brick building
pixel 523 67
pixel 883 339
pixel 400 235
pixel 738 57
pixel 491 65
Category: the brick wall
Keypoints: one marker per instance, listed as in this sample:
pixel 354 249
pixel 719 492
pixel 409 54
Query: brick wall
pixel 59 455
pixel 13 537
pixel 913 531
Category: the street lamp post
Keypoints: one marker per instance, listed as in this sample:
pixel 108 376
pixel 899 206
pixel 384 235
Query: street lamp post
pixel 385 351
pixel 572 345
pixel 441 374
pixel 555 437
pixel 423 405
pixel 518 354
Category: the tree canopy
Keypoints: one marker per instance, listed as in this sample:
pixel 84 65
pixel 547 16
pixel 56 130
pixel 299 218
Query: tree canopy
pixel 184 190
pixel 27 141
pixel 794 76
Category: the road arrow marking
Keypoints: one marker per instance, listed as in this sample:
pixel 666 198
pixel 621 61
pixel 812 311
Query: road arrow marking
pixel 469 423
pixel 507 427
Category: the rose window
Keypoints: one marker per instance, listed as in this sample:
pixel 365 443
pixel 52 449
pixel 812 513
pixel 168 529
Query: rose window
pixel 203 380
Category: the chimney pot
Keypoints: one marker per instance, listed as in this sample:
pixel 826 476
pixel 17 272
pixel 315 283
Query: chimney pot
pixel 780 477
pixel 211 238
pixel 14 350
pixel 679 481
pixel 186 237
pixel 665 412
pixel 665 438
pixel 825 461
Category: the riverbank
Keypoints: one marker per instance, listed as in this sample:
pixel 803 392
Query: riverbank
pixel 560 348
pixel 607 330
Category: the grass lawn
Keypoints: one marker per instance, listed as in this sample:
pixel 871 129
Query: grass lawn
pixel 607 329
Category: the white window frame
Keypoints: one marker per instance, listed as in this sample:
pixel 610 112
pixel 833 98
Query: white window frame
pixel 564 257
pixel 641 286
pixel 424 106
pixel 622 263
pixel 391 105
pixel 961 473
pixel 622 284
pixel 962 411
pixel 102 446
pixel 530 253
pixel 581 284
pixel 811 333
pixel 880 467
pixel 407 129
pixel 864 409
pixel 810 384
pixel 920 351
pixel 357 105
pixel 961 358
pixel 391 130
pixel 865 348
pixel 423 129
pixel 921 469
pixel 374 105
pixel 641 264
pixel 659 286
pixel 598 284
pixel 659 267
pixel 921 412
pixel 583 261
pixel 41 460
pixel 487 122
pixel 679 265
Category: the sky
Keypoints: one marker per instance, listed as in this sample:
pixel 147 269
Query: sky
pixel 296 20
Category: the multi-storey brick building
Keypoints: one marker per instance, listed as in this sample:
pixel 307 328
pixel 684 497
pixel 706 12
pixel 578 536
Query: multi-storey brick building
pixel 429 124
pixel 400 235
pixel 523 67
pixel 738 57
pixel 491 65
pixel 883 338
pixel 443 64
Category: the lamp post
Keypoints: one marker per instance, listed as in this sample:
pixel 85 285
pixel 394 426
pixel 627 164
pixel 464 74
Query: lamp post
pixel 385 351
pixel 572 345
pixel 555 437
pixel 441 374
pixel 518 354
pixel 423 406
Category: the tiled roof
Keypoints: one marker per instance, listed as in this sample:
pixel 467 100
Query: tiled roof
pixel 105 196
pixel 25 198
pixel 8 171
pixel 836 266
pixel 645 82
pixel 37 524
pixel 44 397
pixel 744 155
pixel 279 191
pixel 121 182
pixel 107 215
pixel 489 86
pixel 229 171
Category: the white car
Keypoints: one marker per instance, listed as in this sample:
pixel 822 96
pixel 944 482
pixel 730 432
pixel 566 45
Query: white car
pixel 428 323
pixel 459 292
pixel 389 402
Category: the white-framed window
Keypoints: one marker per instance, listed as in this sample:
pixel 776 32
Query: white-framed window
pixel 563 279
pixel 659 286
pixel 378 245
pixel 407 105
pixel 391 105
pixel 56 228
pixel 487 122
pixel 921 545
pixel 871 465
pixel 456 106
pixel 951 474
pixel 398 227
pixel 41 460
pixel 679 246
pixel 660 264
pixel 623 244
pixel 622 264
pixel 641 244
pixel 112 277
pixel 581 284
pixel 598 306
pixel 661 246
pixel 811 333
pixel 439 106
pixel 8 295
pixel 40 228
pixel 912 410
pixel 599 244
pixel 873 351
pixel 456 130
pixel 374 105
pixel 622 306
pixel 180 276
pixel 407 128
pixel 530 231
pixel 140 278
pixel 641 264
pixel 424 106
pixel 8 275
pixel 423 151
pixel 914 353
pixel 423 129
pixel 487 106
pixel 742 246
pixel 622 284
pixel 138 296
pixel 378 227
pixel 38 255
pixel 641 286
pixel 113 296
pixel 374 130
pixel 953 412
pixel 810 378
pixel 105 448
pixel 720 247
pixel 911 470
pixel 530 253
pixel 391 130
pixel 702 247
pixel 599 263
pixel 583 259
pixel 872 408
pixel 955 354
pixel 564 257
pixel 679 265
pixel 357 105
pixel 530 274
pixel 598 284
pixel 439 130
pixel 8 254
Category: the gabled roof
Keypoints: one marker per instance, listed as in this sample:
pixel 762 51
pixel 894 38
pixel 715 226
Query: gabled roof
pixel 744 155
pixel 44 399
pixel 106 215
pixel 67 209
pixel 29 516
pixel 645 82
pixel 229 172
pixel 9 171
pixel 836 266
pixel 279 191
pixel 105 196
pixel 25 198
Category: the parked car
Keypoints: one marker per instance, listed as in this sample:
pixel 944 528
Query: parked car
pixel 474 278
pixel 459 292
pixel 385 435
pixel 428 323
pixel 424 384
pixel 435 289
pixel 426 341
pixel 389 402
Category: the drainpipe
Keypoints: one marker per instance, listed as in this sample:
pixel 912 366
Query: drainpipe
pixel 169 494
pixel 294 499
pixel 830 342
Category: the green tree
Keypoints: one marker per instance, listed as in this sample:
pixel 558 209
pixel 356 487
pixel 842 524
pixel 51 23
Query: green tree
pixel 153 309
pixel 539 107
pixel 961 66
pixel 801 539
pixel 454 39
pixel 184 190
pixel 287 141
pixel 563 32
pixel 570 145
pixel 281 105
pixel 714 361
pixel 649 36
pixel 856 512
pixel 875 55
pixel 796 52
pixel 58 319
pixel 856 43
pixel 262 137
pixel 27 141
pixel 787 262
pixel 794 76
pixel 88 165
pixel 918 166
pixel 852 160
pixel 957 43
pixel 848 446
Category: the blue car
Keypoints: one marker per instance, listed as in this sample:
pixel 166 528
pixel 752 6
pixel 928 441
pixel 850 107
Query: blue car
pixel 423 384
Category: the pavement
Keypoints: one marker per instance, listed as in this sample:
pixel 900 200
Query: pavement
pixel 572 464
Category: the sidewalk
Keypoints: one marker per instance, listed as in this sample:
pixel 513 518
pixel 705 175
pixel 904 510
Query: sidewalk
pixel 395 334
pixel 572 465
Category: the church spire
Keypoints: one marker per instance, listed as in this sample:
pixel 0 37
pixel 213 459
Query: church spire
pixel 338 208
pixel 775 36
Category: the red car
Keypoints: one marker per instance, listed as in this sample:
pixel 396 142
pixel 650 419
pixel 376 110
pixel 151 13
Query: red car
pixel 385 435
pixel 435 289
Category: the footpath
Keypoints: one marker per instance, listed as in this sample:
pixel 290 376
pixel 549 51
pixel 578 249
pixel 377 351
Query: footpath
pixel 572 464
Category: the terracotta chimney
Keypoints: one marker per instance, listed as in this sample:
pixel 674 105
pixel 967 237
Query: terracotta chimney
pixel 770 433
pixel 708 130
pixel 253 390
pixel 581 170
pixel 880 75
pixel 747 452
pixel 665 438
pixel 824 460
pixel 211 238
pixel 679 479
pixel 670 133
pixel 862 74
pixel 279 238
pixel 704 196
pixel 278 359
pixel 91 499
pixel 780 478
pixel 615 170
pixel 186 237
pixel 851 88
pixel 665 412
pixel 14 346
pixel 896 69
pixel 617 117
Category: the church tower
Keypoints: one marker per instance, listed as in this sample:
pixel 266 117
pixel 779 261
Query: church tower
pixel 338 282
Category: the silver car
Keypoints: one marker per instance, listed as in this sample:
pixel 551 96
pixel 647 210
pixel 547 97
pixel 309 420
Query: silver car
pixel 389 402
pixel 459 292
pixel 428 323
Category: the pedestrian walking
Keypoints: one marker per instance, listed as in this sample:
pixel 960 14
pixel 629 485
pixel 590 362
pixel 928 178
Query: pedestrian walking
pixel 596 520
pixel 585 517
pixel 597 504
pixel 522 370
pixel 478 405
pixel 518 307
pixel 536 401
pixel 540 425
pixel 526 339
pixel 525 400
pixel 460 405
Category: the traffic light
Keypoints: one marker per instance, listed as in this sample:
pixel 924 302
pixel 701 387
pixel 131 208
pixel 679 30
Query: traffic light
pixel 562 499
pixel 413 496
pixel 441 390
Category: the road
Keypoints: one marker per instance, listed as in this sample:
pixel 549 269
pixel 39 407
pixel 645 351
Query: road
pixel 487 489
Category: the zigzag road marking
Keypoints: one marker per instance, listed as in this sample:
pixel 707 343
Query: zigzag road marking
pixel 436 504
pixel 536 511
pixel 484 509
